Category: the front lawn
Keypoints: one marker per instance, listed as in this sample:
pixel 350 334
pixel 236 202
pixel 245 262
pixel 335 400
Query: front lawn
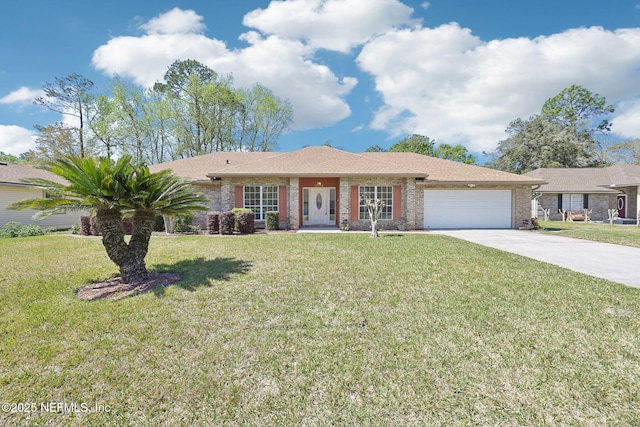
pixel 315 329
pixel 627 235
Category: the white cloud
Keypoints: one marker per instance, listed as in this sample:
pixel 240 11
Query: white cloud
pixel 442 82
pixel 626 123
pixel 176 21
pixel 145 59
pixel 450 85
pixel 425 5
pixel 336 25
pixel 283 65
pixel 22 95
pixel 16 140
pixel 316 93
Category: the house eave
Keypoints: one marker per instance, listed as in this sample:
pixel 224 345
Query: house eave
pixel 614 186
pixel 209 181
pixel 579 191
pixel 19 184
pixel 483 182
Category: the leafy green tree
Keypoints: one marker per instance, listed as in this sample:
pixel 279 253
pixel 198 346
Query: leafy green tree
pixel 262 119
pixel 564 135
pixel 54 141
pixel 144 120
pixel 414 144
pixel 129 103
pixel 540 143
pixel 375 149
pixel 70 95
pixel 624 152
pixel 579 109
pixel 156 122
pixel 457 153
pixel 204 108
pixel 114 189
pixel 585 114
pixel 10 158
pixel 423 145
pixel 104 125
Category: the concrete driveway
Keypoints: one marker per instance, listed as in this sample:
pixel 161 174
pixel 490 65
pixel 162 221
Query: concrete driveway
pixel 612 262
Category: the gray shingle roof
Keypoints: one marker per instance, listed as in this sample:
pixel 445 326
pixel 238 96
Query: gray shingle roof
pixel 327 161
pixel 14 174
pixel 587 180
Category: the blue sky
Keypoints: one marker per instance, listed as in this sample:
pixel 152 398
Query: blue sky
pixel 358 72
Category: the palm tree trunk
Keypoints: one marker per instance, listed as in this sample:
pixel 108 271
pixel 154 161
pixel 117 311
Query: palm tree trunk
pixel 135 269
pixel 110 226
pixel 128 257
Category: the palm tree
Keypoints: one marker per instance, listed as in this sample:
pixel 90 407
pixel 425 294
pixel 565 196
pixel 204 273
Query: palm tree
pixel 113 190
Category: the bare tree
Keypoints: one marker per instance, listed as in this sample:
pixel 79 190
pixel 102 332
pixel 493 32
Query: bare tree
pixel 374 207
pixel 70 96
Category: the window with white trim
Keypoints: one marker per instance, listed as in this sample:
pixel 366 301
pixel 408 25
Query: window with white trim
pixel 261 199
pixel 572 202
pixel 376 192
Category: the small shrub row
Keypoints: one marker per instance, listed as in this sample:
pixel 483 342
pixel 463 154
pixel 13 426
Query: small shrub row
pixel 245 221
pixel 227 222
pixel 15 229
pixel 213 222
pixel 89 225
pixel 184 224
pixel 85 225
pixel 272 220
pixel 241 221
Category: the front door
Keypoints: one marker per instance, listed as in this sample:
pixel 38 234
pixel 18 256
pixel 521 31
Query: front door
pixel 622 206
pixel 319 205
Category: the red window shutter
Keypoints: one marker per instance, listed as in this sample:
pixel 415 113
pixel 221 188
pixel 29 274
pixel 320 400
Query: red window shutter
pixel 282 202
pixel 355 203
pixel 239 200
pixel 397 202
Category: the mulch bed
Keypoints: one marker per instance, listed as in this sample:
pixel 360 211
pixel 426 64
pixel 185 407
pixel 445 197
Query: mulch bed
pixel 115 289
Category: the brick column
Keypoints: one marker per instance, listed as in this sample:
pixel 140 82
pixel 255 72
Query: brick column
pixel 345 201
pixel 410 204
pixel 294 203
pixel 522 206
pixel 226 195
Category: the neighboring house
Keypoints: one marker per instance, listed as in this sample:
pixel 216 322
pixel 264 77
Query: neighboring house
pixel 323 186
pixel 597 189
pixel 13 189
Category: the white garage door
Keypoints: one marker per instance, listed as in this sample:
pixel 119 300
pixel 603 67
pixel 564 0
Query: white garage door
pixel 467 209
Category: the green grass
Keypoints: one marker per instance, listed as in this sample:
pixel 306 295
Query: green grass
pixel 312 329
pixel 627 235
